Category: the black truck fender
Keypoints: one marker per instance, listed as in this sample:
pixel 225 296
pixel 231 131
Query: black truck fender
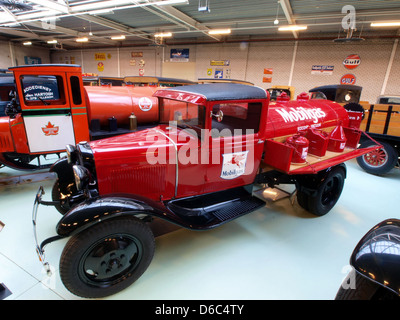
pixel 92 212
pixel 64 173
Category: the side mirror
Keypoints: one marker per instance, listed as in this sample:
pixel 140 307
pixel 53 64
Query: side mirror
pixel 219 115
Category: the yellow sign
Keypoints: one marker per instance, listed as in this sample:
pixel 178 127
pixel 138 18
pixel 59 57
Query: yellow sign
pixel 99 56
pixel 219 62
pixel 100 66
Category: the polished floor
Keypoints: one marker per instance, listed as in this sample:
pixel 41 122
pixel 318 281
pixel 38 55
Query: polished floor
pixel 277 252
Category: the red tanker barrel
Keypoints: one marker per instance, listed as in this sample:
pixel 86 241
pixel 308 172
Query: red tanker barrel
pixel 289 117
pixel 120 102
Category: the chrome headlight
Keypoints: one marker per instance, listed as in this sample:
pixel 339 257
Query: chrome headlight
pixel 72 155
pixel 82 176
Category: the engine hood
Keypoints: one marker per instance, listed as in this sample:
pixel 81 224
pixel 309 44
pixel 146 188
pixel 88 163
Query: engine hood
pixel 142 162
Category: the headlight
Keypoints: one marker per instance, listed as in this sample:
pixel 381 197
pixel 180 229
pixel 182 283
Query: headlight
pixel 71 153
pixel 82 176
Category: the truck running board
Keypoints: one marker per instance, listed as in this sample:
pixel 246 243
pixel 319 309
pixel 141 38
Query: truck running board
pixel 215 208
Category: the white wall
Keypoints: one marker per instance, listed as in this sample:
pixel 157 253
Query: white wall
pixel 12 54
pixel 248 60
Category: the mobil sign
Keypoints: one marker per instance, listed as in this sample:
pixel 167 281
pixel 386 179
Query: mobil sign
pixel 352 61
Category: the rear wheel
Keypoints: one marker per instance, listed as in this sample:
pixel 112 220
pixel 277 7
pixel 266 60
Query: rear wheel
pixel 321 196
pixel 378 162
pixel 106 258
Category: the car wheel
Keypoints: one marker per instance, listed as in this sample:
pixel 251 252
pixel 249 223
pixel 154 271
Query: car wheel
pixel 378 162
pixel 107 257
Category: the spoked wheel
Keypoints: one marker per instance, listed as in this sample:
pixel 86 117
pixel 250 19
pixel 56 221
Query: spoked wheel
pixel 106 258
pixel 379 161
pixel 321 197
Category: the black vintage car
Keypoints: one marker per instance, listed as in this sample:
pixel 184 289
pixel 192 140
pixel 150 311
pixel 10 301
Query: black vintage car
pixel 375 262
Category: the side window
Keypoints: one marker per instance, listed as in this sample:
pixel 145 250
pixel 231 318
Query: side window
pixel 76 90
pixel 237 118
pixel 42 90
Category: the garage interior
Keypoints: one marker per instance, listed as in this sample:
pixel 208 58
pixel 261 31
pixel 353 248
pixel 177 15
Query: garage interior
pixel 279 252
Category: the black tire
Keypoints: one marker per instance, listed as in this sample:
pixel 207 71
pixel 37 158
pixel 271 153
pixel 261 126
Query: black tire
pixel 320 198
pixel 62 208
pixel 378 162
pixel 363 289
pixel 107 257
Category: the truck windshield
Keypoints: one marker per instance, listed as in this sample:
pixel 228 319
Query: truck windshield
pixel 42 89
pixel 183 114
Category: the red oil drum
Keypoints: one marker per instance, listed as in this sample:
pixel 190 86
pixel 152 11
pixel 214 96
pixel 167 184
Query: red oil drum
pixel 337 139
pixel 300 145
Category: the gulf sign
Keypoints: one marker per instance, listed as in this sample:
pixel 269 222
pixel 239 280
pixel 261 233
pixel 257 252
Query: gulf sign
pixel 352 61
pixel 348 79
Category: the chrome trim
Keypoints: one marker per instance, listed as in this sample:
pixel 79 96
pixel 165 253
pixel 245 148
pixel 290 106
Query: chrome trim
pixel 39 250
pixel 176 158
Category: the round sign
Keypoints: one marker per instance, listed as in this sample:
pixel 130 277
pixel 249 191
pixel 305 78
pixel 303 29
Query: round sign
pixel 348 79
pixel 352 61
pixel 145 104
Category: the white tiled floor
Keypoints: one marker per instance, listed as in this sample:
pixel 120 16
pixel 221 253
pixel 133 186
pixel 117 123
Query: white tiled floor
pixel 277 252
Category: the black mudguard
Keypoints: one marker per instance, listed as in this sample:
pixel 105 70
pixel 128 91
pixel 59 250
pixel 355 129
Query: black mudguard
pixel 91 212
pixel 377 255
pixel 64 173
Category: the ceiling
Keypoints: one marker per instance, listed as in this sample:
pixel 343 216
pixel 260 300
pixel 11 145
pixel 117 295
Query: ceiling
pixel 190 21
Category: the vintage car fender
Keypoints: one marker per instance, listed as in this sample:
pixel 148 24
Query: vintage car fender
pixel 310 183
pixel 377 255
pixel 64 173
pixel 94 211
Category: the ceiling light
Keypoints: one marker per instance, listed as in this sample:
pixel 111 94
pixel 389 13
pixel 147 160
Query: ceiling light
pixel 292 28
pixel 220 31
pixel 84 39
pixel 163 35
pixel 121 37
pixel 386 24
pixel 27 43
pixel 52 41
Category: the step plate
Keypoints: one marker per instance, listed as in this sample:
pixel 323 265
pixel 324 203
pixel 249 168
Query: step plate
pixel 237 208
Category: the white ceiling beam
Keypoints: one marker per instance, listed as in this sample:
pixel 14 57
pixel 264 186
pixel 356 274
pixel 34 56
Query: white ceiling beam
pixel 52 5
pixel 114 25
pixel 287 10
pixel 185 19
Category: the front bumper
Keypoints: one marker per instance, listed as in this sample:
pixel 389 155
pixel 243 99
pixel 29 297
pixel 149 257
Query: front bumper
pixel 40 248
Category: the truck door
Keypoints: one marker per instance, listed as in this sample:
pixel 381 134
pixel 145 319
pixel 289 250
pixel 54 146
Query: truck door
pixel 46 112
pixel 235 151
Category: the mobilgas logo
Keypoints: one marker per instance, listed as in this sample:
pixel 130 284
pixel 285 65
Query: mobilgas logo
pixel 300 113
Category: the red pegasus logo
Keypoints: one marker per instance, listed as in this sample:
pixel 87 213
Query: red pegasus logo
pixel 50 130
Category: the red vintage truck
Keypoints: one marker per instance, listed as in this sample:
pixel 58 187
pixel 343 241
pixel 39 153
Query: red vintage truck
pixel 51 108
pixel 196 169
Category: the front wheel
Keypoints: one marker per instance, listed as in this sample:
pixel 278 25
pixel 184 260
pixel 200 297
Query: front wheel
pixel 106 258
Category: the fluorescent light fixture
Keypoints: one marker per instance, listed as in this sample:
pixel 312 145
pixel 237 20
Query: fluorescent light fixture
pixel 121 37
pixel 292 28
pixel 101 11
pixel 163 35
pixel 386 24
pixel 84 39
pixel 52 41
pixel 220 31
pixel 27 43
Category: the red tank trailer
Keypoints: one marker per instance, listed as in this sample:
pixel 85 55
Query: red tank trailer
pixel 196 169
